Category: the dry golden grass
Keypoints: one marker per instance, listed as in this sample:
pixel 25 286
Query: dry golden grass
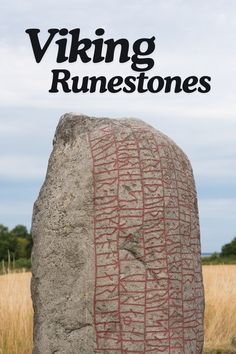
pixel 220 314
pixel 220 311
pixel 15 314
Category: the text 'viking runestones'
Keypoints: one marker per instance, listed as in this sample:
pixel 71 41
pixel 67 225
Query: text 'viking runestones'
pixel 116 254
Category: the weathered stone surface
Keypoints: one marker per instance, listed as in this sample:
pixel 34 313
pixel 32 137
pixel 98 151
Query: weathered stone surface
pixel 116 255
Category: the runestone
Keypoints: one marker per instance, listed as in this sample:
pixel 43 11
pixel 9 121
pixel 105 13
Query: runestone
pixel 116 243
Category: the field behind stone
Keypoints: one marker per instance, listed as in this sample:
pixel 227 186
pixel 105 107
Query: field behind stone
pixel 16 312
pixel 220 310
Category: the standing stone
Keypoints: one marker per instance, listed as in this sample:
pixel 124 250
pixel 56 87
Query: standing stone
pixel 116 255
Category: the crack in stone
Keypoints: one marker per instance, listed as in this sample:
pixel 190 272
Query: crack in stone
pixel 81 325
pixel 139 258
pixel 135 254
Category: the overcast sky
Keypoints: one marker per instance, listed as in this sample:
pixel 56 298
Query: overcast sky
pixel 192 38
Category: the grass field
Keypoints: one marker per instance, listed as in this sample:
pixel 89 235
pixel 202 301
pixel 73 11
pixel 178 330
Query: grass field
pixel 15 314
pixel 220 314
pixel 220 311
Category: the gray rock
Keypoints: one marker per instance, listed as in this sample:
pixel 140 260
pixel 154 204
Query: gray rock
pixel 116 255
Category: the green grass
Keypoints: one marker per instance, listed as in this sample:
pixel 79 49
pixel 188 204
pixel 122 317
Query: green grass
pixel 217 259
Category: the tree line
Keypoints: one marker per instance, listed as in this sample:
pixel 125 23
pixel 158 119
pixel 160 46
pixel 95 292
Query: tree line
pixel 15 246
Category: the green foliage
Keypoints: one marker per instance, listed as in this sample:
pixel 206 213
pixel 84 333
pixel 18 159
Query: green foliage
pixel 8 243
pixel 23 263
pixel 229 249
pixel 218 260
pixel 3 230
pixel 15 244
pixel 20 231
pixel 21 249
pixel 226 256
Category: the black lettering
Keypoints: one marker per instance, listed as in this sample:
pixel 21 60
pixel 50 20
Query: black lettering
pixel 124 50
pixel 130 84
pixel 160 82
pixel 84 85
pixel 113 82
pixel 94 80
pixel 34 39
pixel 61 54
pixel 169 80
pixel 141 78
pixel 75 44
pixel 188 82
pixel 63 81
pixel 147 62
pixel 98 43
pixel 206 86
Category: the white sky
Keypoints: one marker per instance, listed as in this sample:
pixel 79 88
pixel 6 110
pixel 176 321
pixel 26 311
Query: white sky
pixel 192 38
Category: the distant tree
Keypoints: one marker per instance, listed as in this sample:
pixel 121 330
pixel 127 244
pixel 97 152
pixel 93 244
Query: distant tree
pixel 17 243
pixel 20 231
pixel 229 249
pixel 8 243
pixel 21 248
pixel 214 256
pixel 24 241
pixel 4 242
pixel 3 230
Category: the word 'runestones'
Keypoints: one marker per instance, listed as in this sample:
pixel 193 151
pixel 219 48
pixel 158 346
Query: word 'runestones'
pixel 116 253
